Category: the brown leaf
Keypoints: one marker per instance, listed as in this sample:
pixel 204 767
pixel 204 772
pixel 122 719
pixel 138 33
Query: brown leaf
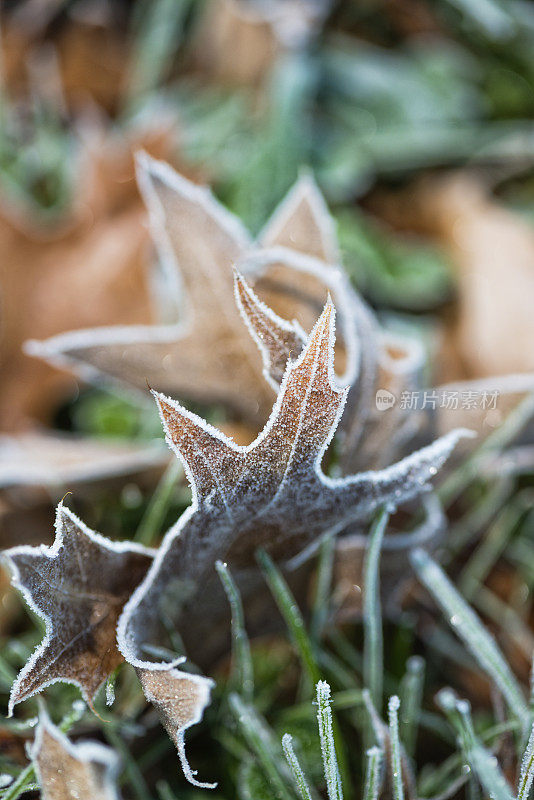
pixel 180 700
pixel 238 42
pixel 91 271
pixel 208 356
pixel 37 468
pixel 66 771
pixel 302 222
pixel 277 340
pixel 492 250
pixel 63 461
pixel 92 56
pixel 269 494
pixel 78 586
pixel 372 436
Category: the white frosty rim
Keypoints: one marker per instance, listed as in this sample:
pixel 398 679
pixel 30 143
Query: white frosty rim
pixel 86 752
pixel 51 552
pixel 306 190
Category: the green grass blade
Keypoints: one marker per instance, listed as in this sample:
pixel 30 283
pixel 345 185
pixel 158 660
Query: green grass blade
pixel 296 769
pixel 291 614
pixel 321 600
pixel 373 667
pixel 411 694
pixel 372 777
pixel 261 742
pixel 21 785
pixel 395 750
pixel 150 525
pixel 481 761
pixel 470 629
pixel 159 34
pixel 240 643
pixel 326 735
pixel 376 726
pixel 526 775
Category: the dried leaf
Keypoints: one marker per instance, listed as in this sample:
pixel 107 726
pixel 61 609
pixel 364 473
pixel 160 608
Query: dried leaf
pixel 180 699
pixel 91 55
pixel 238 42
pixel 66 771
pixel 372 436
pixel 302 222
pixel 98 254
pixel 79 587
pixel 277 339
pixel 52 461
pixel 207 356
pixel 492 249
pixel 270 494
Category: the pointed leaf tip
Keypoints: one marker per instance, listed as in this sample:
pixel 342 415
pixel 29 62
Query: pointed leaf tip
pixel 75 650
pixel 84 770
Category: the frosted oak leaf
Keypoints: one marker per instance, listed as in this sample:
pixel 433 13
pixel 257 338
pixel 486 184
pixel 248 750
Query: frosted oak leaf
pixel 368 438
pixel 78 587
pixel 206 355
pixel 65 771
pixel 270 494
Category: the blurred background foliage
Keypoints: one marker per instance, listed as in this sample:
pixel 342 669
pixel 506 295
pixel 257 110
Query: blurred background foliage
pixel 417 120
pixel 372 96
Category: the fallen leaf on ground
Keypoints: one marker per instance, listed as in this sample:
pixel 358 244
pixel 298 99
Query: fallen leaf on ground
pixel 92 56
pixel 78 587
pixel 270 494
pixel 492 249
pixel 238 42
pixel 91 271
pixel 207 356
pixel 52 461
pixel 65 771
pixel 371 436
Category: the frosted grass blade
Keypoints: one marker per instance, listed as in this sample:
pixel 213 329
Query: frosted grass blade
pixel 482 762
pixel 261 742
pixel 526 775
pixel 411 693
pixel 394 751
pixel 373 666
pixel 372 779
pixel 296 769
pixel 469 628
pixel 240 642
pixel 326 735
